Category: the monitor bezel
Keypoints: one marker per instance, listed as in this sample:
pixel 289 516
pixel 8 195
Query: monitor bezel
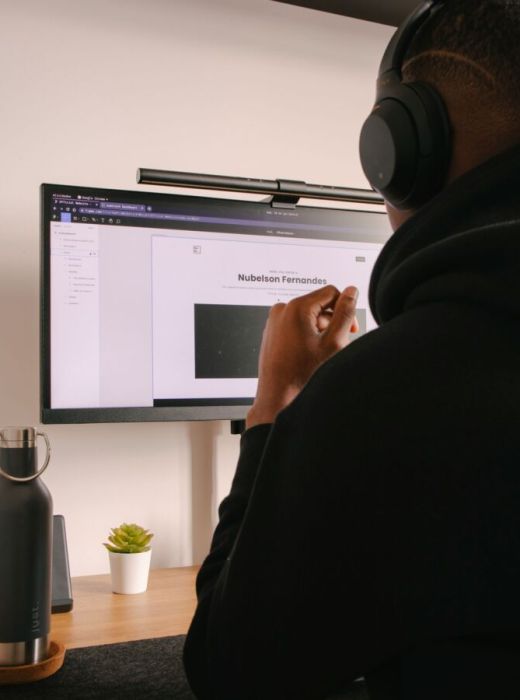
pixel 49 415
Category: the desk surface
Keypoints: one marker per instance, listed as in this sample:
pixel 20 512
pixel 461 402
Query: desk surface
pixel 102 617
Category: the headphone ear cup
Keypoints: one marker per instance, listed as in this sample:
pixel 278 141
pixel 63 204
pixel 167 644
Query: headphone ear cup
pixel 405 145
pixel 389 150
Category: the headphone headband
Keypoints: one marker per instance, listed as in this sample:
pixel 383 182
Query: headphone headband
pixel 393 57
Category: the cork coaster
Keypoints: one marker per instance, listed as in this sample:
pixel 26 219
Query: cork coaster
pixel 10 675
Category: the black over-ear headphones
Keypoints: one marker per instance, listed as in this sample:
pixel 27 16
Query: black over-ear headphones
pixel 405 144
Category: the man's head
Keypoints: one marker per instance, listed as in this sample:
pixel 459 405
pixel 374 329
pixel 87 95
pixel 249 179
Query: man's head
pixel 469 51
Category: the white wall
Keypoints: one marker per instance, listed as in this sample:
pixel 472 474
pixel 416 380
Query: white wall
pixel 91 90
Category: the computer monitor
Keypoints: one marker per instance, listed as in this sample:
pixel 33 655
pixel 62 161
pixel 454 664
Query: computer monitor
pixel 153 305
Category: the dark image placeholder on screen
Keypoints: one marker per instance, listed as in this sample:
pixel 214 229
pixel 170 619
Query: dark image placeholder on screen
pixel 227 340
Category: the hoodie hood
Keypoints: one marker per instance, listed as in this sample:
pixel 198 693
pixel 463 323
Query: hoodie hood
pixel 463 246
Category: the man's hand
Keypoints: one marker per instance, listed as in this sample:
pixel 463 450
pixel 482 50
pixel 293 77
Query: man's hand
pixel 298 338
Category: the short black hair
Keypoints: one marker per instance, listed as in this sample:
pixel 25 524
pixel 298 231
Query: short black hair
pixel 473 45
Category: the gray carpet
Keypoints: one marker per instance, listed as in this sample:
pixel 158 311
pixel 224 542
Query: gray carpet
pixel 149 669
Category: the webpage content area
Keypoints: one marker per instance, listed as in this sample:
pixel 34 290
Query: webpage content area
pixel 211 298
pixel 143 317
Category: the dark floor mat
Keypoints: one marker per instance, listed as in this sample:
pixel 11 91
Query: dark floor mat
pixel 150 669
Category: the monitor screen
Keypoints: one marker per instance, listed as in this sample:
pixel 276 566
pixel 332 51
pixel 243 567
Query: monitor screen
pixel 153 305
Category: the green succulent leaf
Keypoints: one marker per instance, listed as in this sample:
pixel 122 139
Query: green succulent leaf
pixel 128 538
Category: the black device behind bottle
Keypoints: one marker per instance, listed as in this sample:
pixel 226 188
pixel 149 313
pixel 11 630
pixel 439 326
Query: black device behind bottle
pixel 25 550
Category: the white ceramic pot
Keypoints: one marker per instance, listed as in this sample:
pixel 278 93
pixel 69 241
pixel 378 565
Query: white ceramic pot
pixel 129 572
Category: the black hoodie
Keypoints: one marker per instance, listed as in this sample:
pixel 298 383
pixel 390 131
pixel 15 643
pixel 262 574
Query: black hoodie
pixel 380 512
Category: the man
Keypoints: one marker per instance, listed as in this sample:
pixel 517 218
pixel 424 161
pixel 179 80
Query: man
pixel 374 512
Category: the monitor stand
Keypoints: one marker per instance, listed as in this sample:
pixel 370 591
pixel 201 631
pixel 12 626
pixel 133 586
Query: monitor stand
pixel 237 427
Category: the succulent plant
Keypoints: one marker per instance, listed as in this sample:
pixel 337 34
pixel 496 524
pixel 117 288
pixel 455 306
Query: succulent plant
pixel 129 539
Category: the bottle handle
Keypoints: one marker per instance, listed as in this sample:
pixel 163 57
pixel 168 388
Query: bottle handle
pixel 24 479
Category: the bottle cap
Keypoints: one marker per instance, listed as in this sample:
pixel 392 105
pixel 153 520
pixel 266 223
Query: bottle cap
pixel 17 437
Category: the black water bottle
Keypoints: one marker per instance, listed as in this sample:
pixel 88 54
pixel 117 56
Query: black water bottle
pixel 25 550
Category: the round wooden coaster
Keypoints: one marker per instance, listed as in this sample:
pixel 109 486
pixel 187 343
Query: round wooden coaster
pixel 10 675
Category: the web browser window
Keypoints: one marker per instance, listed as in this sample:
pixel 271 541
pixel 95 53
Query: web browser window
pixel 155 300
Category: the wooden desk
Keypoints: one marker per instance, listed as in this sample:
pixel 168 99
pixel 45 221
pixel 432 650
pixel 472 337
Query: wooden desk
pixel 102 617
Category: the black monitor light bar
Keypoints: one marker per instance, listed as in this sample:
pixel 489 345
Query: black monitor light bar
pixel 282 193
